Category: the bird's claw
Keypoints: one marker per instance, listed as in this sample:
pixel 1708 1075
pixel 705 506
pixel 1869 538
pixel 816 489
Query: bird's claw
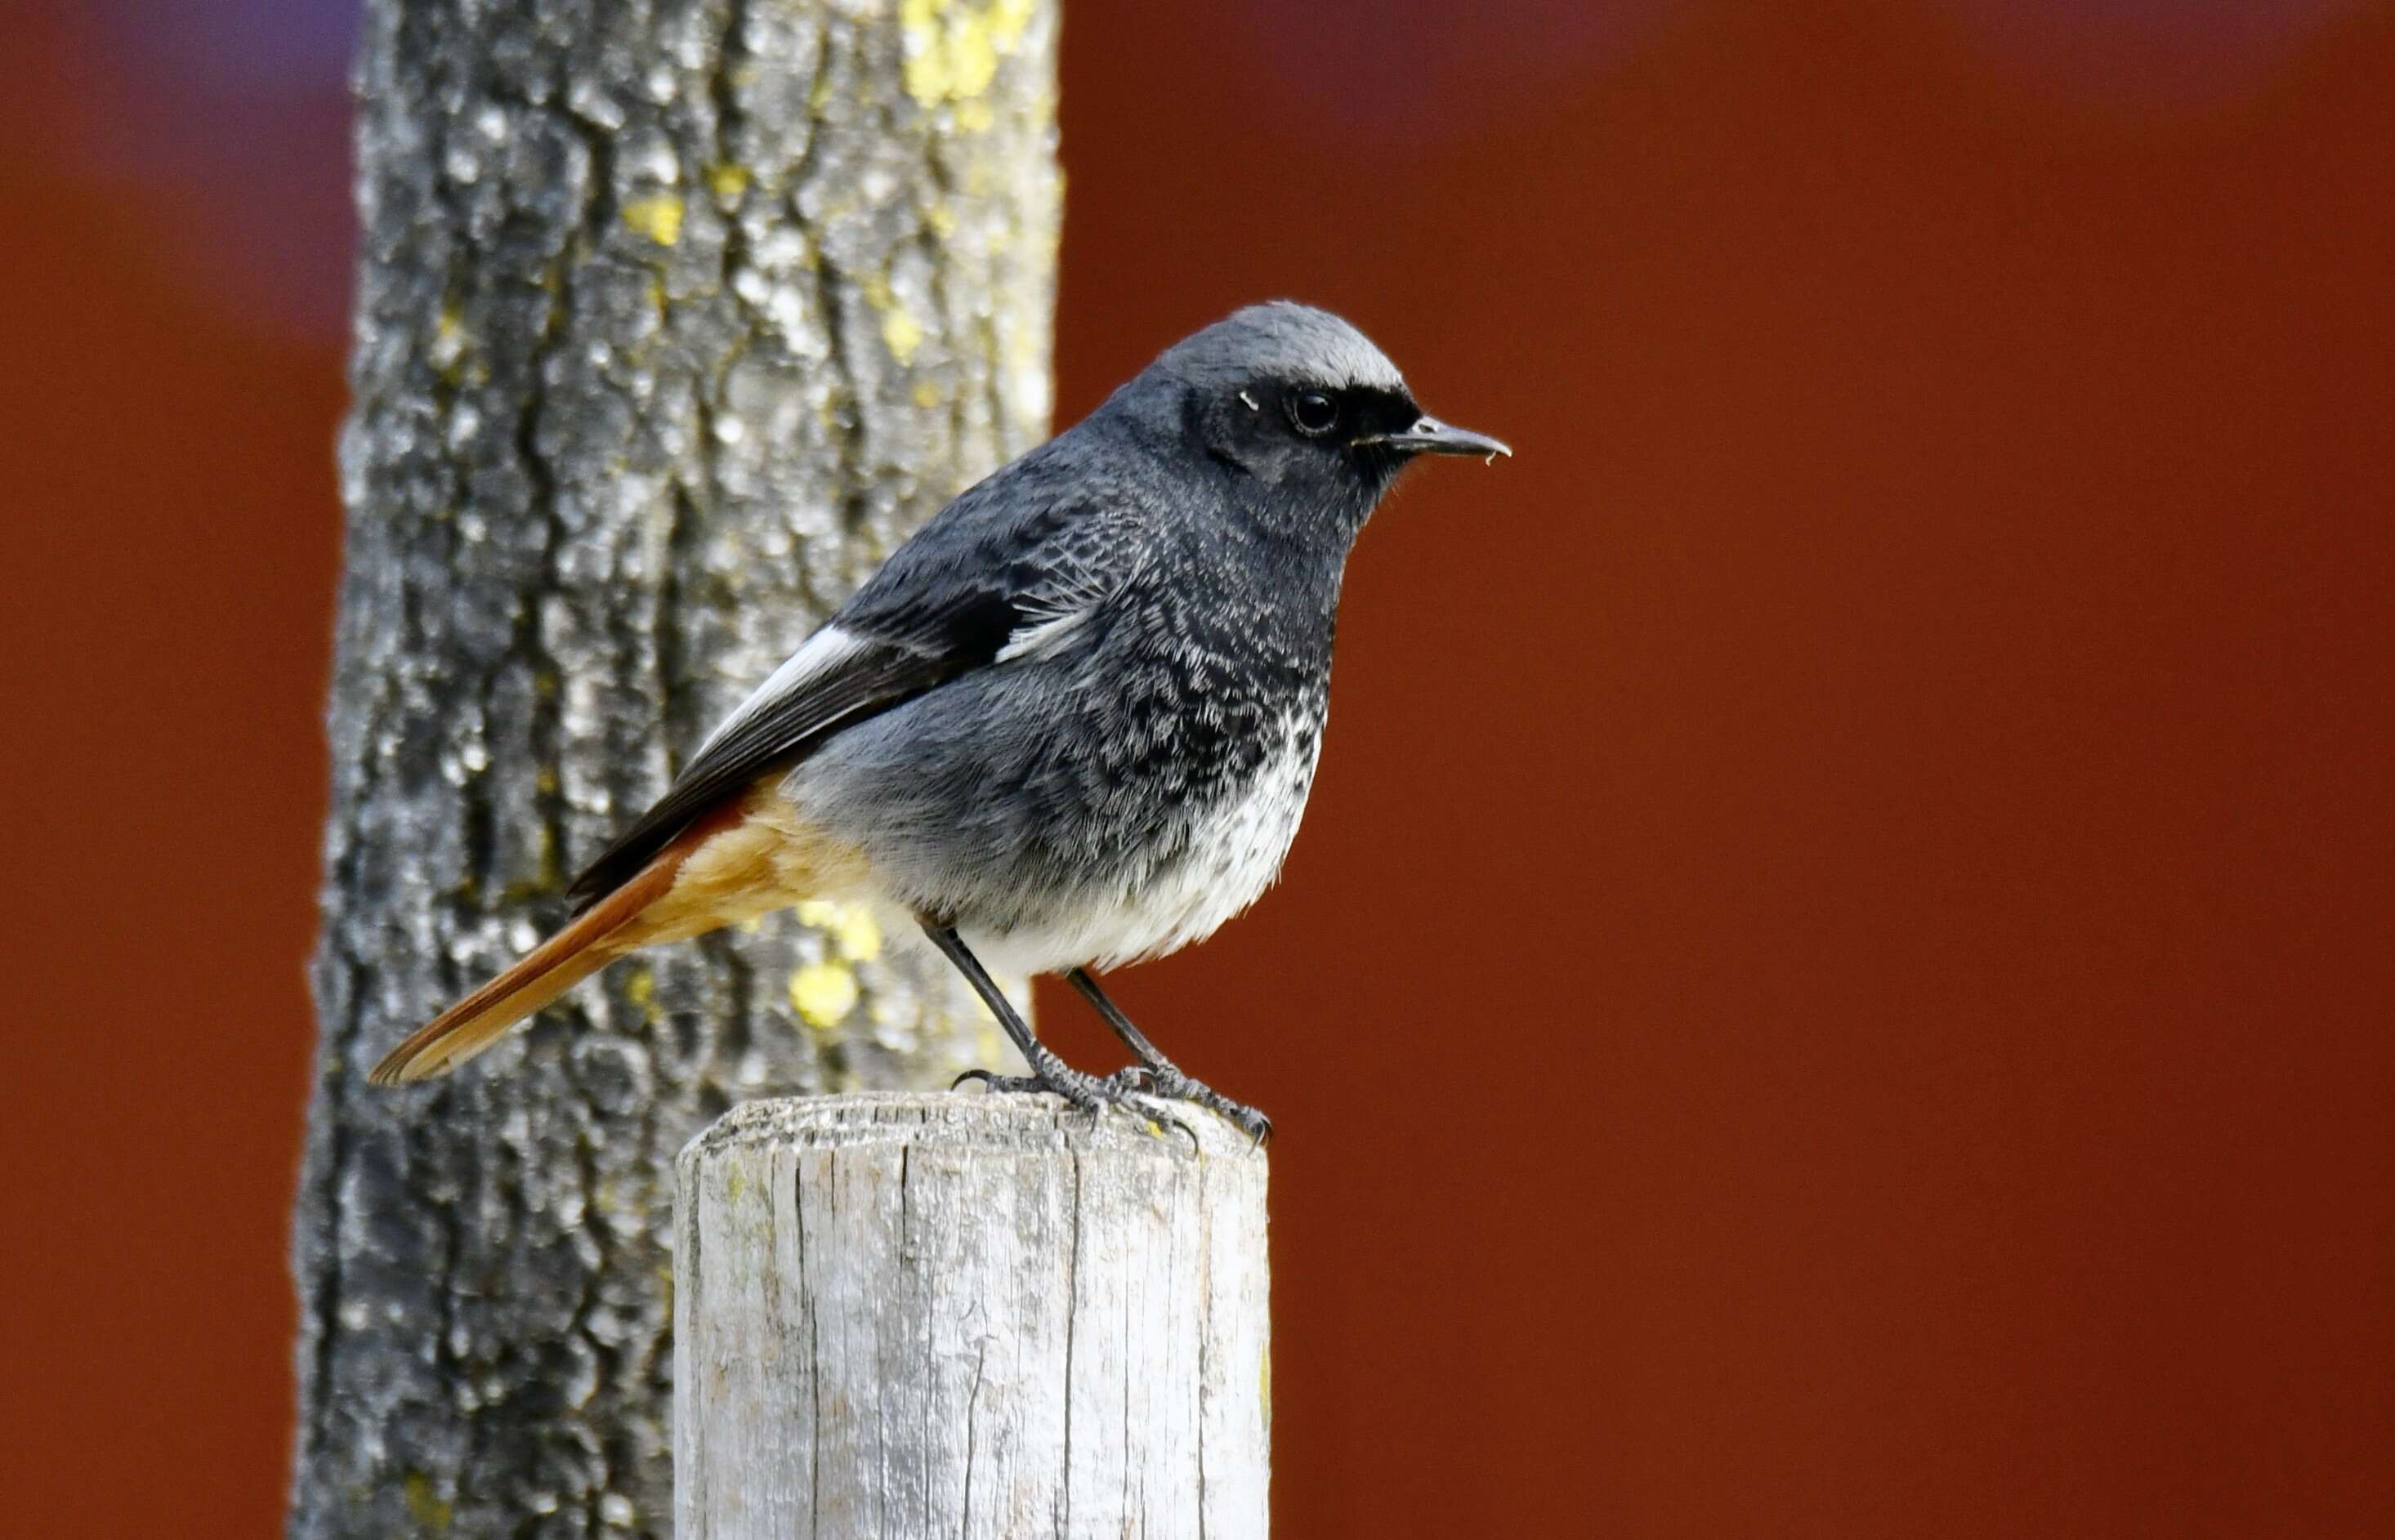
pixel 1133 1089
pixel 1164 1080
pixel 1126 1089
pixel 997 1082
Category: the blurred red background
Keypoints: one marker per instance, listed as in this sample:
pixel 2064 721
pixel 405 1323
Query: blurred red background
pixel 1837 982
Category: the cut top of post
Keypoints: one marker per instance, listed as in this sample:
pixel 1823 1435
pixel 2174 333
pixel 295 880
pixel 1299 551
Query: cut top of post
pixel 963 1120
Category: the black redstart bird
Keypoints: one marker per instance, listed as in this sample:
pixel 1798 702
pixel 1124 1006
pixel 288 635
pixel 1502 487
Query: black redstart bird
pixel 1070 724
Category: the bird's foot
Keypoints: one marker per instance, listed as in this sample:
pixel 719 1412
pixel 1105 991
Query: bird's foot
pixel 1167 1081
pixel 1126 1090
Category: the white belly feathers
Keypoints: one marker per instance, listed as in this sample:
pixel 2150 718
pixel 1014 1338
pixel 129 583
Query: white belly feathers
pixel 1234 849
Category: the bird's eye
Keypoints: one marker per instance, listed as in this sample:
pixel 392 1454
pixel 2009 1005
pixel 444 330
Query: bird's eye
pixel 1314 412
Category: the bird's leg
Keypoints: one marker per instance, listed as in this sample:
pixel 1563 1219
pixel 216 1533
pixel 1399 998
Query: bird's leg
pixel 1160 1074
pixel 1048 1072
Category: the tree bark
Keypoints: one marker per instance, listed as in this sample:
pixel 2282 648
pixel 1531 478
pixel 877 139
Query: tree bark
pixel 674 318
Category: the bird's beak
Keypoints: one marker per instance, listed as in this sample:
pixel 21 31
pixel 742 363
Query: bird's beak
pixel 1430 436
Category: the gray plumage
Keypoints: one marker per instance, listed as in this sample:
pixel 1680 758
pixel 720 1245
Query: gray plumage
pixel 1074 720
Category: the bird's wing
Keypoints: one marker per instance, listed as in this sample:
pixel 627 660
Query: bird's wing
pixel 1010 568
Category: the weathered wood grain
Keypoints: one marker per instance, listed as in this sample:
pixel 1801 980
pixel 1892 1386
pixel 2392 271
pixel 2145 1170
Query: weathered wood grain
pixel 968 1315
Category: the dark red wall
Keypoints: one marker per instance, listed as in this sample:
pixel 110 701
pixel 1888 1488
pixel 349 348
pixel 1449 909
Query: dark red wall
pixel 1838 977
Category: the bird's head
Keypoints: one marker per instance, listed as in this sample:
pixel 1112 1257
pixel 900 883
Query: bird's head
pixel 1299 402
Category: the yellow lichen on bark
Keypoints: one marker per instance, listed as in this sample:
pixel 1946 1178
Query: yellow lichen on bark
pixel 953 50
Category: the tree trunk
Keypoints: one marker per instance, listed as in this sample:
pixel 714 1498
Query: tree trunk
pixel 674 317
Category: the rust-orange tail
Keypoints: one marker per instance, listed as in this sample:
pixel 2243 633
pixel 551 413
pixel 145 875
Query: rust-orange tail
pixel 543 974
pixel 620 923
pixel 748 856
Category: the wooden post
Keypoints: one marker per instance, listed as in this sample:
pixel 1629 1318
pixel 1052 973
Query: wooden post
pixel 968 1315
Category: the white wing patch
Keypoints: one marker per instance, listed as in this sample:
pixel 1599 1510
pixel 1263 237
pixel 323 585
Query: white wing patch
pixel 819 654
pixel 1086 571
pixel 1042 634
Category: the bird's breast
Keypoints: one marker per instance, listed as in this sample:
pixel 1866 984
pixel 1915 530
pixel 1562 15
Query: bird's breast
pixel 1222 848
